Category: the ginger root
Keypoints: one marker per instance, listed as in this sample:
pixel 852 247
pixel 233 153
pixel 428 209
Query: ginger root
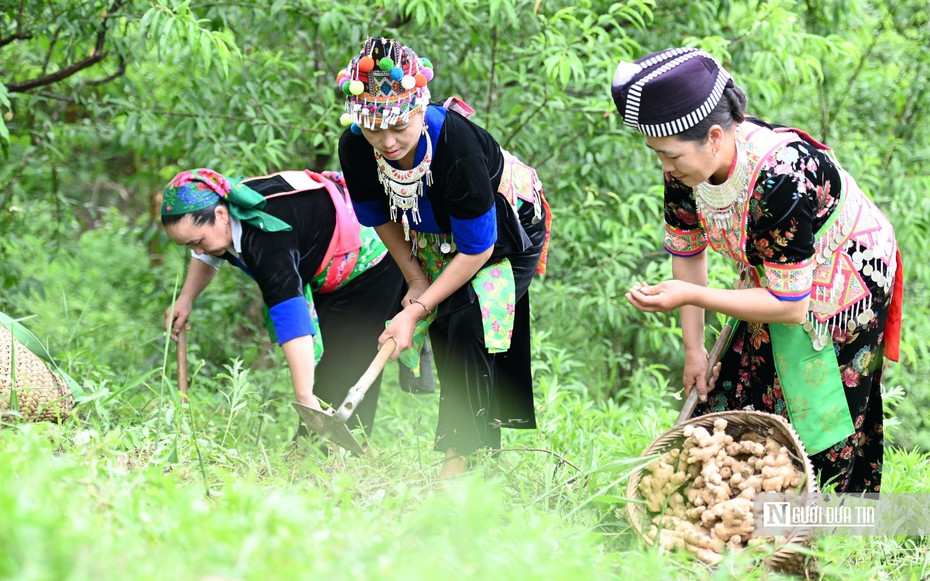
pixel 734 516
pixel 701 494
pixel 662 481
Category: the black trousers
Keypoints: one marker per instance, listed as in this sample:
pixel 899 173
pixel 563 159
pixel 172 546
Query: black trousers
pixel 351 320
pixel 481 392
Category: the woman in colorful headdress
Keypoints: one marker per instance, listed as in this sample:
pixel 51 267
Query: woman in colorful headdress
pixel 467 224
pixel 322 275
pixel 817 306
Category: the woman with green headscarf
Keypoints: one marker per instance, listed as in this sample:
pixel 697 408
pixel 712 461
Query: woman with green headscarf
pixel 320 273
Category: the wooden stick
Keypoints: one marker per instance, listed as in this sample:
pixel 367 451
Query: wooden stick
pixel 357 391
pixel 182 362
pixel 715 354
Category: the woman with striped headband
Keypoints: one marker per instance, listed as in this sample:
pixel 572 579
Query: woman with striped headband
pixel 322 275
pixel 817 306
pixel 467 224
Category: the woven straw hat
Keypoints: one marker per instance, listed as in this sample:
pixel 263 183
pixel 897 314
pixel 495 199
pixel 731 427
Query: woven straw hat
pixel 40 394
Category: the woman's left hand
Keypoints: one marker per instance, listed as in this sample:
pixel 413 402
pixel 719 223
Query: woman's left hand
pixel 402 328
pixel 414 290
pixel 660 298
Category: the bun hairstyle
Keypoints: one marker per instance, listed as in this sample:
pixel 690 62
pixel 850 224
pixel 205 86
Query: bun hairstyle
pixel 730 111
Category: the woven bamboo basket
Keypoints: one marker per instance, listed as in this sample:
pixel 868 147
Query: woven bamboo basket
pixel 786 557
pixel 41 395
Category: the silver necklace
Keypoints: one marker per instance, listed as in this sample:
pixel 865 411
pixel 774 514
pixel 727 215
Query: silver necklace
pixel 722 196
pixel 404 187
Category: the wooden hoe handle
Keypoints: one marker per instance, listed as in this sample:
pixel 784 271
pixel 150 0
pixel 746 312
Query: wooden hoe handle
pixel 712 360
pixel 182 361
pixel 357 391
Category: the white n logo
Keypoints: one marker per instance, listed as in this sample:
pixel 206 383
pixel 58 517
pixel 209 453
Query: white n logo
pixel 775 514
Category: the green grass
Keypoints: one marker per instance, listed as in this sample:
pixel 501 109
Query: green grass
pixel 79 503
pixel 139 486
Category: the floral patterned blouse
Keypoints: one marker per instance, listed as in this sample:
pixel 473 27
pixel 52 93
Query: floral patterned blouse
pixel 797 189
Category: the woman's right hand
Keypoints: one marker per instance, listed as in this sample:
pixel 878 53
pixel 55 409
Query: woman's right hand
pixel 695 374
pixel 181 312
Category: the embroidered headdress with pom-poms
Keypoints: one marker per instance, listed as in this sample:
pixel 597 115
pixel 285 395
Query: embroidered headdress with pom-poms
pixel 384 84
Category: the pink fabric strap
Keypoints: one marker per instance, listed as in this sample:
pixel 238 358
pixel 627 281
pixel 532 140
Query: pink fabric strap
pixel 346 239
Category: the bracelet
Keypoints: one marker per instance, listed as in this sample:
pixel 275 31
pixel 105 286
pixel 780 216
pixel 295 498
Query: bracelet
pixel 428 311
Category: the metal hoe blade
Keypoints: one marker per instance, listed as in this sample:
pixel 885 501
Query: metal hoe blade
pixel 330 427
pixel 333 427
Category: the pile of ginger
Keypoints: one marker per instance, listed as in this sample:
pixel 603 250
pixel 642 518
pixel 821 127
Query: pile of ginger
pixel 700 495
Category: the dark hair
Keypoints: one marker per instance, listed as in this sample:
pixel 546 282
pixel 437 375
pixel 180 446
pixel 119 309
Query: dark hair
pixel 198 217
pixel 730 109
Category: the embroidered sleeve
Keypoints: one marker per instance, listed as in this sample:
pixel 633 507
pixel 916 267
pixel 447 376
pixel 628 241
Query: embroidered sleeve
pixel 789 282
pixel 683 233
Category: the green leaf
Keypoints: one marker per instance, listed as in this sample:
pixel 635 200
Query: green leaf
pixel 206 51
pixel 5 101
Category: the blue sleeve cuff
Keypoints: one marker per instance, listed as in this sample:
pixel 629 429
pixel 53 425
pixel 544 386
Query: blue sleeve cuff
pixel 475 235
pixel 291 319
pixel 790 298
pixel 371 213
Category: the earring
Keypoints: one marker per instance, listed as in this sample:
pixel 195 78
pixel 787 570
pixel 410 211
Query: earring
pixel 716 152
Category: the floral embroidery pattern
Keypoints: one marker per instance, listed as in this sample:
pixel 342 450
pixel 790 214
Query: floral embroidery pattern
pixel 816 373
pixel 862 360
pixel 494 285
pixel 791 281
pixel 831 419
pixel 798 408
pixel 850 376
pixel 682 243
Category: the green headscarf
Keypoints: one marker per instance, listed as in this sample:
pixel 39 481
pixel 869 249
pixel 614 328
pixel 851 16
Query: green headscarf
pixel 196 189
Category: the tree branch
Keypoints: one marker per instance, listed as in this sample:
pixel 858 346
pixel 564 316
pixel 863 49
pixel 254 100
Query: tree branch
pixel 528 118
pixel 120 71
pixel 223 116
pixel 19 16
pixel 51 49
pixel 490 100
pixel 20 35
pixel 58 75
pixel 851 82
pixel 97 54
pixel 254 6
pixel 14 38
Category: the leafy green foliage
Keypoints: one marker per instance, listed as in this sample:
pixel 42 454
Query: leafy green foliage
pixel 157 488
